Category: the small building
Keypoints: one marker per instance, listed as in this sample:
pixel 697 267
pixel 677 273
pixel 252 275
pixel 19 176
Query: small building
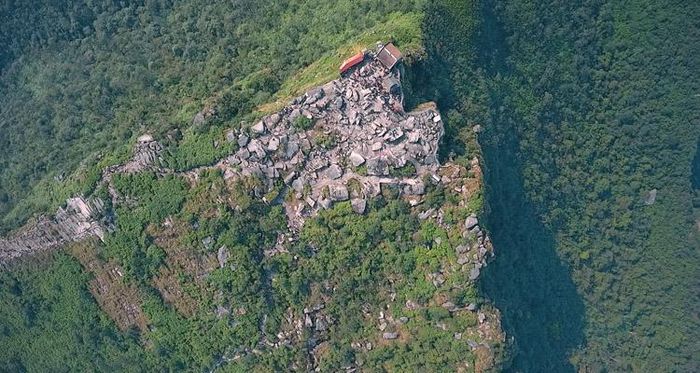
pixel 389 55
pixel 352 61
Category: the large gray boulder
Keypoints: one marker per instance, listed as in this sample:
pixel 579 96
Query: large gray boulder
pixel 474 273
pixel 339 193
pixel 471 222
pixel 358 205
pixel 333 172
pixel 258 128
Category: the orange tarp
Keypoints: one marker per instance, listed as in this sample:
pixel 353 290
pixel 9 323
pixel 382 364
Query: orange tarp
pixel 352 61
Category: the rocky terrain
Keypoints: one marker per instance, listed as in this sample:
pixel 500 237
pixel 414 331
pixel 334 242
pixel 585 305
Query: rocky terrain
pixel 79 219
pixel 347 140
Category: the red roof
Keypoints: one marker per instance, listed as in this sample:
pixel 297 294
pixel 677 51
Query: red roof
pixel 389 55
pixel 352 61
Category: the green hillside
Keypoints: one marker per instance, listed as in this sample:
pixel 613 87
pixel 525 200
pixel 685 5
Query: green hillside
pixel 590 125
pixel 84 80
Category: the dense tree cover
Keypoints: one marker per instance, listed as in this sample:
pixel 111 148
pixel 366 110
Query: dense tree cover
pixel 588 107
pixel 90 76
pixel 50 322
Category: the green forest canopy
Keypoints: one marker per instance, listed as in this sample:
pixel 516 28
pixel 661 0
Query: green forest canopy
pixel 594 103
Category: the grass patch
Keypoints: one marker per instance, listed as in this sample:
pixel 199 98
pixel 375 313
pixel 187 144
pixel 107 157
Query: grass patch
pixel 404 29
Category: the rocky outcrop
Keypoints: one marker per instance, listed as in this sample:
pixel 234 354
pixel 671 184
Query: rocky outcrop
pixel 343 140
pixel 79 219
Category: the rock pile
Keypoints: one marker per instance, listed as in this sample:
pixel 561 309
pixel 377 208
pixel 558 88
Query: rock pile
pixel 345 140
pixel 81 217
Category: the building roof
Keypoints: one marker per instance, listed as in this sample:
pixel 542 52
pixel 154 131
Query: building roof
pixel 352 61
pixel 389 55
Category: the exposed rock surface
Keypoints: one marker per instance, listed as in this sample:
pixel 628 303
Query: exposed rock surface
pixel 359 135
pixel 79 219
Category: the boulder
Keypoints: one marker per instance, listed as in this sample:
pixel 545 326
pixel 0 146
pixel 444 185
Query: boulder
pixel 298 184
pixel 325 203
pixel 243 153
pixel 258 128
pixel 377 167
pixel 292 148
pixel 426 214
pixel 222 255
pixel 288 179
pixel 333 172
pixel 461 249
pixel 339 193
pixel 198 119
pixel 321 324
pixel 471 222
pixel 359 205
pixel 393 134
pixel 418 188
pixel 390 335
pixel 410 122
pixel 449 306
pixel 476 231
pixel 413 137
pixel 474 273
pixel 273 144
pixel 314 95
pixel 272 119
pixel 243 140
pixel 310 201
pixel 356 159
pixel 338 103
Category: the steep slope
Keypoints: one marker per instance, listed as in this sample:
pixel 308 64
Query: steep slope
pixel 78 83
pixel 329 236
pixel 593 106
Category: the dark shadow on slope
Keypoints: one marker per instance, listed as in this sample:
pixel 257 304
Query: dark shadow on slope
pixel 527 281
